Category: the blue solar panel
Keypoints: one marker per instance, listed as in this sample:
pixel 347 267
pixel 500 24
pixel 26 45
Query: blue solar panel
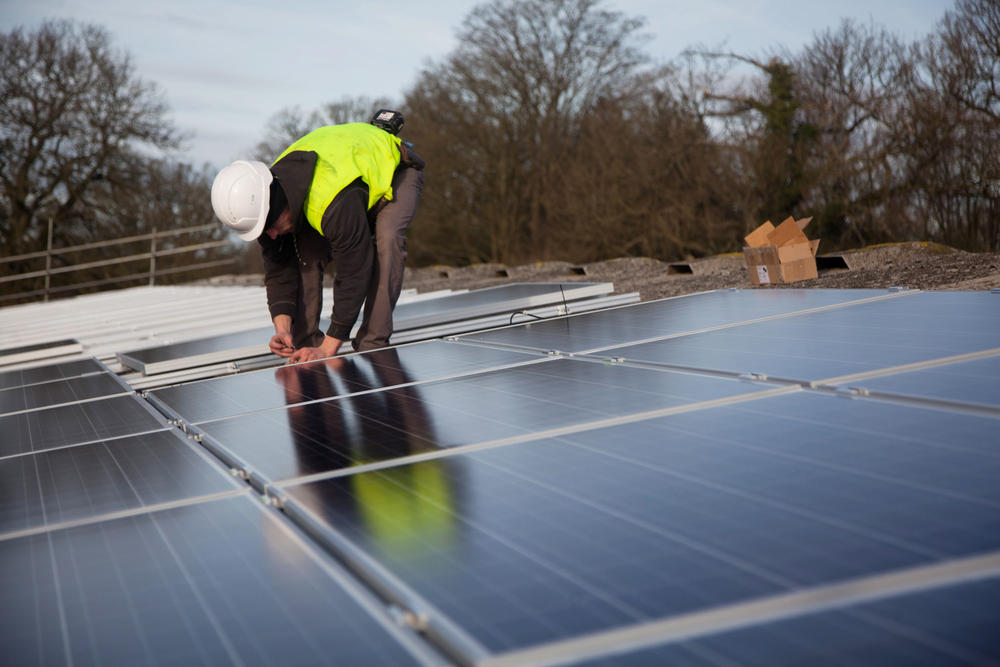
pixel 955 625
pixel 378 369
pixel 545 540
pixel 515 505
pixel 69 369
pixel 69 390
pixel 658 319
pixel 840 341
pixel 76 423
pixel 975 382
pixel 221 582
pixel 88 481
pixel 403 421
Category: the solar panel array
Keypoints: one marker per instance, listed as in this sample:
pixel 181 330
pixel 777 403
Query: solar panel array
pixel 750 477
pixel 413 319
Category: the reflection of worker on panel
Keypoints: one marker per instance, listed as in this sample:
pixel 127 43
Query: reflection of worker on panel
pixel 399 505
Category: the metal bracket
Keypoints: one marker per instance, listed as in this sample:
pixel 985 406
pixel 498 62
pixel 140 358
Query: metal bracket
pixel 411 619
pixel 848 392
pixel 272 501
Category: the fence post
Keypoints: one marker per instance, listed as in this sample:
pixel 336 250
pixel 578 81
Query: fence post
pixel 152 258
pixel 48 260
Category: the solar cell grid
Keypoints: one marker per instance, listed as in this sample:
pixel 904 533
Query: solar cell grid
pixel 256 339
pixel 511 402
pixel 831 343
pixel 594 499
pixel 49 373
pixel 499 299
pixel 595 331
pixel 69 390
pixel 272 388
pixel 548 539
pixel 88 481
pixel 213 583
pixel 75 424
pixel 408 315
pixel 975 382
pixel 943 626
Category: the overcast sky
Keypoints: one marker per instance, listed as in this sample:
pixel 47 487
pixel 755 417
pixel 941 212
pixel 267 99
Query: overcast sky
pixel 226 66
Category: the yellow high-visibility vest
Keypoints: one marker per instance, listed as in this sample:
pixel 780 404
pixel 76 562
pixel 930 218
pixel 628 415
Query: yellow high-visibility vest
pixel 345 153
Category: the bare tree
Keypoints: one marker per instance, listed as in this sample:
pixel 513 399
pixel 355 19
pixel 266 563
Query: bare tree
pixel 953 138
pixel 291 123
pixel 506 107
pixel 767 131
pixel 645 178
pixel 964 57
pixel 853 83
pixel 73 115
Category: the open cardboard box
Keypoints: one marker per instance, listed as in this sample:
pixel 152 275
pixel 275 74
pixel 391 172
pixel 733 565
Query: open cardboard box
pixel 780 254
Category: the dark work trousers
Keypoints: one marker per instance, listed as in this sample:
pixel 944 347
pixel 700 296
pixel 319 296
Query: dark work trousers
pixel 390 246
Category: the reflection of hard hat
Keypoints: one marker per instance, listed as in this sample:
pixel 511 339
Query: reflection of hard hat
pixel 240 197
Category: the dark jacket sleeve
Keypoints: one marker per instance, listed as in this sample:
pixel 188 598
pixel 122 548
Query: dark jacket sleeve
pixel 345 226
pixel 281 275
pixel 281 271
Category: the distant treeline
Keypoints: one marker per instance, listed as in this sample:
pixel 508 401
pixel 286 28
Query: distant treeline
pixel 549 133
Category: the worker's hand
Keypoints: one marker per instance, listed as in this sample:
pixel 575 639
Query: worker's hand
pixel 306 354
pixel 281 344
pixel 327 348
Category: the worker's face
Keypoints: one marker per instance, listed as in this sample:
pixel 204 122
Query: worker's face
pixel 282 225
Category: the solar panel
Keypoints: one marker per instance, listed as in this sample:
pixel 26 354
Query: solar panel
pixel 219 582
pixel 604 529
pixel 69 390
pixel 27 376
pixel 78 483
pixel 680 315
pixel 201 351
pixel 974 382
pixel 764 476
pixel 841 341
pixel 402 421
pixel 272 388
pixel 30 352
pixel 500 299
pixel 953 625
pixel 74 424
pixel 407 316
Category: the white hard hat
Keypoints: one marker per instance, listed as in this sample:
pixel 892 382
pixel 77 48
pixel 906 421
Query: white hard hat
pixel 241 195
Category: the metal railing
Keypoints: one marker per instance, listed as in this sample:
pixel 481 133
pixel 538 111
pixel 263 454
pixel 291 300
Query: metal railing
pixel 150 274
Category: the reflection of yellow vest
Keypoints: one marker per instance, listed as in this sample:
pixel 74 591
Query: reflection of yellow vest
pixel 406 505
pixel 344 153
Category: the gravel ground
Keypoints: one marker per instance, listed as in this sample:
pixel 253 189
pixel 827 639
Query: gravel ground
pixel 914 265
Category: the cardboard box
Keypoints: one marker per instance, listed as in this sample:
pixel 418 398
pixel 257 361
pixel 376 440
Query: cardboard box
pixel 781 254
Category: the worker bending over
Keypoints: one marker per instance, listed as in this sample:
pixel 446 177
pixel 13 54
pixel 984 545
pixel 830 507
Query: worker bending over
pixel 342 192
